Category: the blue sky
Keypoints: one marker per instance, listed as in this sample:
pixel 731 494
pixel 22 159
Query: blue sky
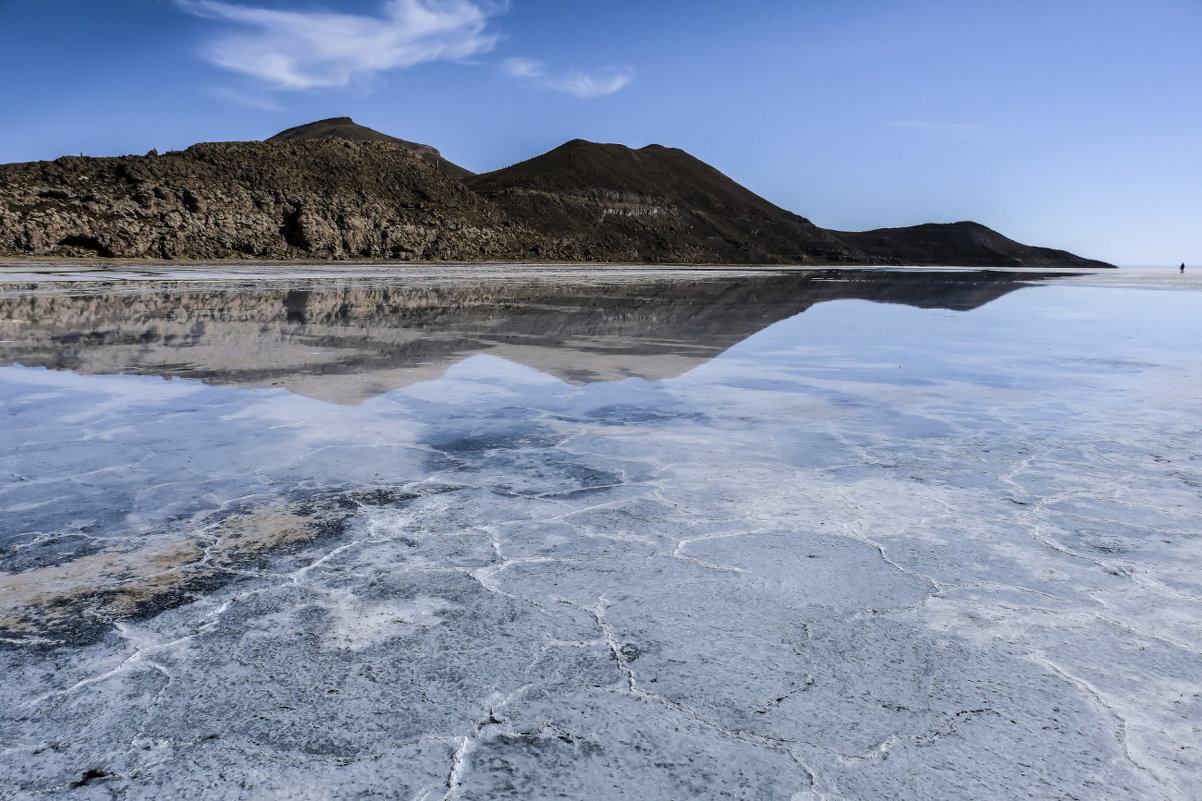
pixel 1064 123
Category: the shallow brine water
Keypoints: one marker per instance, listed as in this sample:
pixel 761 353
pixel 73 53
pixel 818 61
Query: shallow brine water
pixel 634 534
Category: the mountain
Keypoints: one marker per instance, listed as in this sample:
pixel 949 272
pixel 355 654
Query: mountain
pixel 958 243
pixel 325 198
pixel 611 202
pixel 346 128
pixel 334 189
pixel 653 204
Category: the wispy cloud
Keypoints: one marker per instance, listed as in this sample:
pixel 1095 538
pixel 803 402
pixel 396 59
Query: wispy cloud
pixel 523 67
pixel 581 84
pixel 307 50
pixel 585 86
pixel 249 99
pixel 950 127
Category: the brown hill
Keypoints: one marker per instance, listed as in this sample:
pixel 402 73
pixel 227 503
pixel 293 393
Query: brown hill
pixel 611 202
pixel 346 128
pixel 324 198
pixel 335 189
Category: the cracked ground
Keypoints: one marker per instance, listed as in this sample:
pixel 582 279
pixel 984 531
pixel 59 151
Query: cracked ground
pixel 871 552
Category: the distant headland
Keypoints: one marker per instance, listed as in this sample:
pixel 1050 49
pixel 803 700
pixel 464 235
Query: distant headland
pixel 333 189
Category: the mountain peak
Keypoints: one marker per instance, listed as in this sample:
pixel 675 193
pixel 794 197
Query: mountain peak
pixel 336 128
pixel 347 128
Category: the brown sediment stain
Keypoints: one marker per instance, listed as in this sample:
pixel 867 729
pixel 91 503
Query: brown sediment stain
pixel 123 582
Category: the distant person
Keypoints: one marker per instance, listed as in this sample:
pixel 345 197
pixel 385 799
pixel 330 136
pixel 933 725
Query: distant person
pixel 1182 266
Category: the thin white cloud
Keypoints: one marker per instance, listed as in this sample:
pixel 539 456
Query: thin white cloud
pixel 580 84
pixel 523 67
pixel 307 50
pixel 587 86
pixel 248 99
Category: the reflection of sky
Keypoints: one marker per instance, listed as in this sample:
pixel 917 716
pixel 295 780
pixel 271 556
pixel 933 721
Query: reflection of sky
pixel 107 454
pixel 867 524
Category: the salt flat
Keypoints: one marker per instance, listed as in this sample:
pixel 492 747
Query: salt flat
pixel 634 534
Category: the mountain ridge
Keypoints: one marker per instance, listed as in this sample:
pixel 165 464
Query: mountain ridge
pixel 333 189
pixel 655 199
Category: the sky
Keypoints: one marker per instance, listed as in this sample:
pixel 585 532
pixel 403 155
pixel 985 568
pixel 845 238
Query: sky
pixel 1074 124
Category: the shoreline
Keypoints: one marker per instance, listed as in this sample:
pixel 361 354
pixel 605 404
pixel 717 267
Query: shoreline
pixel 46 270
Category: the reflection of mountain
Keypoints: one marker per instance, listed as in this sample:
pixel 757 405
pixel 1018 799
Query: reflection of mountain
pixel 347 342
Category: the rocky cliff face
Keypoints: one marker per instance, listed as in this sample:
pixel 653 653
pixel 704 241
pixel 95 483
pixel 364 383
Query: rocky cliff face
pixel 326 198
pixel 337 190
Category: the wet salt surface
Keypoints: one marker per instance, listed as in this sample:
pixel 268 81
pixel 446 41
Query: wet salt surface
pixel 682 542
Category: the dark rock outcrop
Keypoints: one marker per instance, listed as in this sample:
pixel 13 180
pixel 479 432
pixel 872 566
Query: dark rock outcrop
pixel 611 202
pixel 337 190
pixel 957 243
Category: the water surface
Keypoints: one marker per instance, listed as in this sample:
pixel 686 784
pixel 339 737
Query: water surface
pixel 638 534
